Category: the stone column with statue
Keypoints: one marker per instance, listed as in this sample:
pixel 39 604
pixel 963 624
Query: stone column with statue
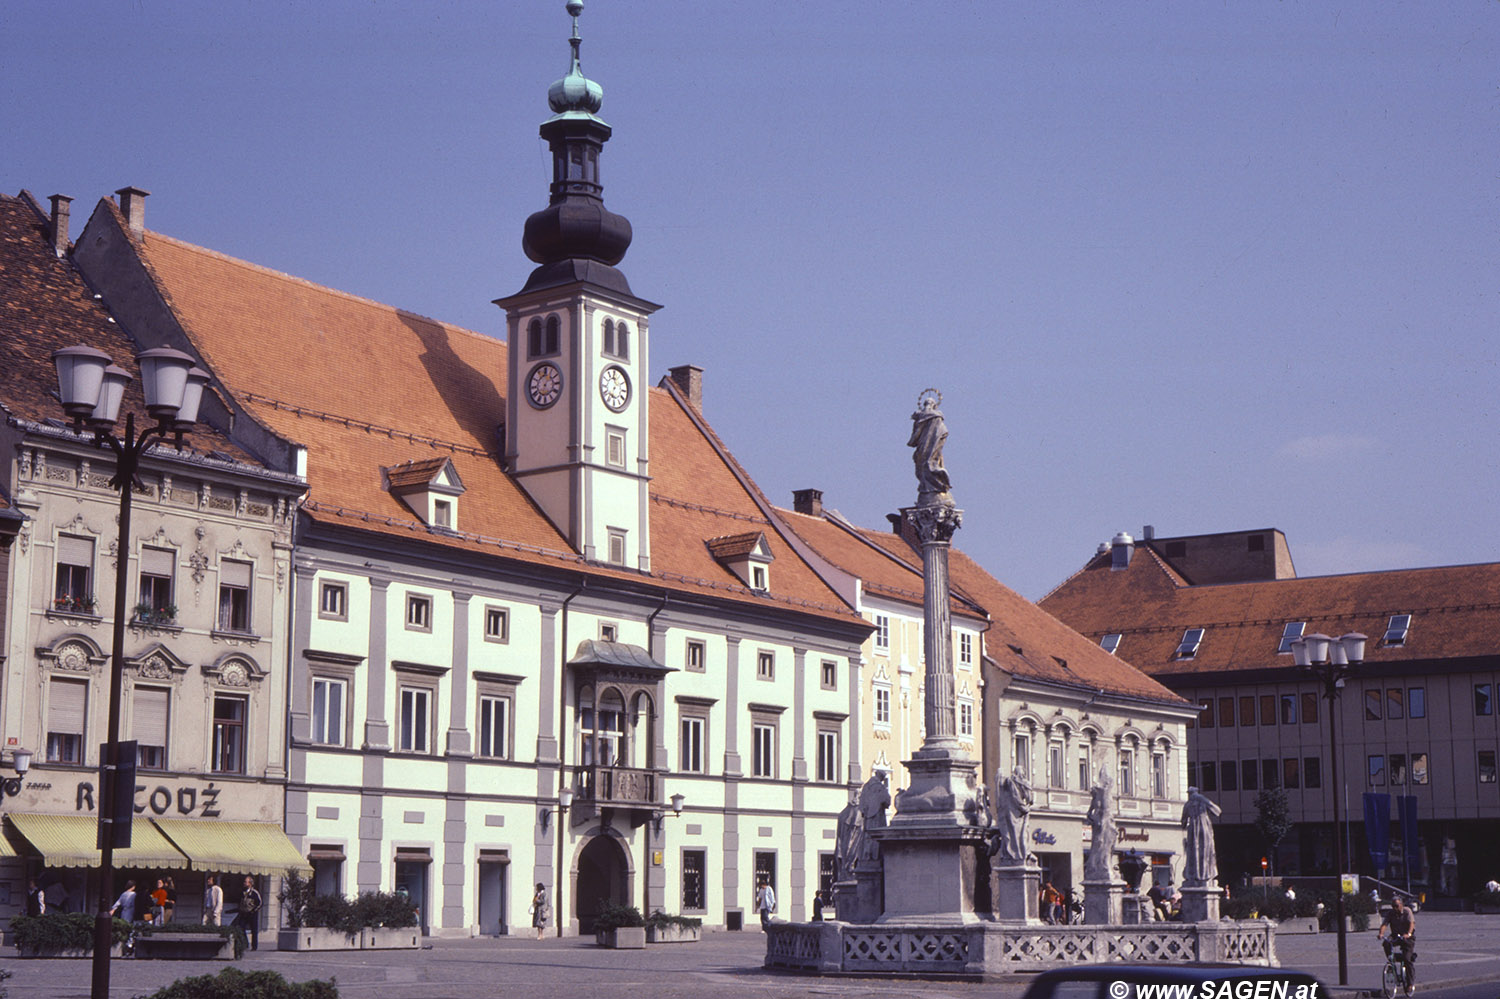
pixel 1200 860
pixel 859 874
pixel 1014 872
pixel 1103 891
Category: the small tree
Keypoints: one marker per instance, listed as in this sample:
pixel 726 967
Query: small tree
pixel 294 895
pixel 1272 819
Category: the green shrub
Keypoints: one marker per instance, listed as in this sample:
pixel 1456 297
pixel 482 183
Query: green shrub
pixel 227 932
pixel 659 920
pixel 294 895
pixel 612 916
pixel 63 931
pixel 232 983
pixel 335 912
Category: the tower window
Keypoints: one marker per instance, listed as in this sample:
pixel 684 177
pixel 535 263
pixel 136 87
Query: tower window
pixel 541 339
pixel 616 339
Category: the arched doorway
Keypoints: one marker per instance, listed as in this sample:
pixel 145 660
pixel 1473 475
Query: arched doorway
pixel 603 877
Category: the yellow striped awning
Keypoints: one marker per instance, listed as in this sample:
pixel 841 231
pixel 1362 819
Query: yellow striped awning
pixel 68 841
pixel 234 847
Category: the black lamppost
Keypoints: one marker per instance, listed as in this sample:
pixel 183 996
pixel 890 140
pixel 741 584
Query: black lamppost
pixel 91 389
pixel 560 881
pixel 1332 661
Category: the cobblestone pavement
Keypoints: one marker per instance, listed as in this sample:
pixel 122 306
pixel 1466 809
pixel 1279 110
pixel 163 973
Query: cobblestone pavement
pixel 1453 947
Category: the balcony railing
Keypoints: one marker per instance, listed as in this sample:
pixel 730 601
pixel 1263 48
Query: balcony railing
pixel 618 786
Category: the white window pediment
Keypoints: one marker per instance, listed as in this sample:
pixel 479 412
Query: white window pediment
pixel 429 489
pixel 746 555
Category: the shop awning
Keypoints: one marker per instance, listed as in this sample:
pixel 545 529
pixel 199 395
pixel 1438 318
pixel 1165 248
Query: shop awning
pixel 68 841
pixel 234 847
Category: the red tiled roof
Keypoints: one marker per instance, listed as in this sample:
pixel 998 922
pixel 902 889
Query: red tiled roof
pixel 374 386
pixel 411 474
pixel 1455 613
pixel 734 545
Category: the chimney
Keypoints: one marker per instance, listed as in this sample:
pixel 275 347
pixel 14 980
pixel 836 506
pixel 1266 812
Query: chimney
pixel 133 205
pixel 1121 547
pixel 808 501
pixel 1148 533
pixel 689 378
pixel 60 203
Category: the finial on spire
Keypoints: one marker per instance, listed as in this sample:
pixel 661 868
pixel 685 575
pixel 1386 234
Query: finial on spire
pixel 575 92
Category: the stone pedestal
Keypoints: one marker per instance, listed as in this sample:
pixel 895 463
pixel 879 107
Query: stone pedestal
pixel 1016 892
pixel 1101 902
pixel 861 900
pixel 1136 909
pixel 1200 903
pixel 930 872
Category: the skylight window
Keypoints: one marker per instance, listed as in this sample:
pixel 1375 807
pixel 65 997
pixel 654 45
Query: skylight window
pixel 1188 647
pixel 1395 632
pixel 1109 643
pixel 1290 634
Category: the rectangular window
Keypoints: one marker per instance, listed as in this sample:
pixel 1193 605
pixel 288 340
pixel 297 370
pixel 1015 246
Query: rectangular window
pixel 765 665
pixel 1158 775
pixel 1289 634
pixel 1249 776
pixel 418 613
pixel 1210 777
pixel 614 450
pixel 1057 768
pixel 229 735
pixel 1395 703
pixel 763 745
pixel 1395 632
pixel 1416 702
pixel 966 717
pixel 1486 766
pixel 234 596
pixel 1111 643
pixel 1270 773
pixel 965 649
pixel 1268 709
pixel 1377 770
pixel 1419 768
pixel 828 755
pixel 494 726
pixel 1291 775
pixel 1226 712
pixel 1188 647
pixel 616 547
pixel 1127 773
pixel 697 656
pixel 765 872
pixel 690 750
pixel 694 869
pixel 150 729
pixel 1247 711
pixel 1312 772
pixel 442 513
pixel 1372 704
pixel 415 720
pixel 1397 769
pixel 74 590
pixel 333 601
pixel 826 874
pixel 609 632
pixel 1021 749
pixel 758 578
pixel 329 696
pixel 1482 703
pixel 1206 714
pixel 882 706
pixel 882 631
pixel 66 704
pixel 828 675
pixel 1085 767
pixel 1229 775
pixel 1309 709
pixel 496 624
pixel 157 568
pixel 1288 709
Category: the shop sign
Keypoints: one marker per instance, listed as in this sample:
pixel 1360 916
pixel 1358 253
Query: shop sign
pixel 1139 836
pixel 1042 836
pixel 187 799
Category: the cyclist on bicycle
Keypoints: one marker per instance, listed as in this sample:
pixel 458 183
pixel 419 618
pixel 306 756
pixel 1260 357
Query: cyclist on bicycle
pixel 1401 925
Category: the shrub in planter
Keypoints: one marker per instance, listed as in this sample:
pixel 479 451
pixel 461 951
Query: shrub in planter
pixel 612 917
pixel 232 983
pixel 294 895
pixel 226 932
pixel 64 931
pixel 662 928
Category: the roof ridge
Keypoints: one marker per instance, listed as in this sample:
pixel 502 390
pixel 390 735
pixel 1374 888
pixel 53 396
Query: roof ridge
pixel 700 508
pixel 349 421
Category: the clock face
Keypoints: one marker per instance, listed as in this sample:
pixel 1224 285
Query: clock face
pixel 614 388
pixel 544 385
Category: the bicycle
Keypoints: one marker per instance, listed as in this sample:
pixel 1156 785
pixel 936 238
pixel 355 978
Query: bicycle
pixel 1395 980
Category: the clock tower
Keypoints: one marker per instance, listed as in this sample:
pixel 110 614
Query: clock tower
pixel 575 431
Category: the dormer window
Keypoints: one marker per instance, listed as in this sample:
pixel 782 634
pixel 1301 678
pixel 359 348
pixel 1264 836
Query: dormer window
pixel 1395 632
pixel 747 555
pixel 1290 634
pixel 1188 647
pixel 430 489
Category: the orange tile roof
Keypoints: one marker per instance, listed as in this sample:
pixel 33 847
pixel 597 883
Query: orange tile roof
pixel 1455 614
pixel 1022 639
pixel 411 474
pixel 734 545
pixel 373 386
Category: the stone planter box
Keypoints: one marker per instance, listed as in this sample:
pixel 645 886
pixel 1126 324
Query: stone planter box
pixel 184 946
pixel 1298 924
pixel 673 934
pixel 114 951
pixel 624 938
pixel 317 938
pixel 387 938
pixel 1486 910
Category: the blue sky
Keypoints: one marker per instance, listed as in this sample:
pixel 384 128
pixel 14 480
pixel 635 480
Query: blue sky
pixel 1207 266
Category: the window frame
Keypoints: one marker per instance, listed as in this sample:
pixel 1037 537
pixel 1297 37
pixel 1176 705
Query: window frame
pixel 1486 707
pixel 829 742
pixel 73 582
pixel 156 601
pixel 1485 766
pixel 1312 772
pixel 225 728
pixel 232 590
pixel 699 903
pixel 1192 641
pixel 1416 702
pixel 965 648
pixel 692 733
pixel 67 744
pixel 1288 705
pixel 828 674
pixel 1288 636
pixel 166 727
pixel 419 612
pixel 1375 771
pixel 765 664
pixel 416 690
pixel 491 696
pixel 882 713
pixel 494 613
pixel 1159 774
pixel 882 634
pixel 764 736
pixel 1126 768
pixel 1111 643
pixel 339 590
pixel 344 684
pixel 698 664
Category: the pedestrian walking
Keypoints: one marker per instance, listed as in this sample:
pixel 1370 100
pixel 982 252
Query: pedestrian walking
pixel 213 902
pixel 538 911
pixel 248 918
pixel 169 907
pixel 818 906
pixel 765 902
pixel 124 906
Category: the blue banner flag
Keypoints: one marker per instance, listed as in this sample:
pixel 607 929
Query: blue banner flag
pixel 1406 807
pixel 1378 829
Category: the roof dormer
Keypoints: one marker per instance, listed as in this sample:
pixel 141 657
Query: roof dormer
pixel 746 555
pixel 430 489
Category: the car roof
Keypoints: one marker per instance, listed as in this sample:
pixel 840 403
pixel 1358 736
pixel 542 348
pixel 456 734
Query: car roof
pixel 1169 973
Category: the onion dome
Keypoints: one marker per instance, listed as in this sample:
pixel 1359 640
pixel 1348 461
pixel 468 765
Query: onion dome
pixel 575 92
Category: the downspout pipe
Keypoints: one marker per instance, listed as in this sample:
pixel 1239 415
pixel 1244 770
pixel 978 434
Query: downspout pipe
pixel 559 888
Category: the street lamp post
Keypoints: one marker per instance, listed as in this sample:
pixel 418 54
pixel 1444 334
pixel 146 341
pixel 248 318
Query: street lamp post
pixel 1332 661
pixel 91 389
pixel 560 881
